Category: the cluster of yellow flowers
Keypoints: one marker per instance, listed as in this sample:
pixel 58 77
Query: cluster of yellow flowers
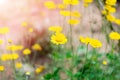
pixel 87 2
pixel 114 36
pixel 58 37
pixel 109 9
pixel 14 47
pixel 9 56
pixel 92 42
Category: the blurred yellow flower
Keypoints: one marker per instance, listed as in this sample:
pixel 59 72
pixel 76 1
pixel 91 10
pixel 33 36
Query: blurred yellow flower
pixel 61 6
pixel 87 2
pixel 111 2
pixel 39 69
pixel 110 18
pixel 71 2
pixel 50 4
pixel 26 51
pixel 30 29
pixel 73 21
pixel 95 43
pixel 36 47
pixel 76 14
pixel 1 41
pixel 58 38
pixel 114 36
pixel 117 21
pixel 4 30
pixel 55 28
pixel 85 40
pixel 65 13
pixel 110 9
pixel 2 68
pixel 24 24
pixel 27 73
pixel 18 65
pixel 9 56
pixel 14 47
pixel 9 40
pixel 104 63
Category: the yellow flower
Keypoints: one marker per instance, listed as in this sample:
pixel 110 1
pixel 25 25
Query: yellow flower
pixel 110 9
pixel 65 13
pixel 24 24
pixel 85 40
pixel 61 6
pixel 87 2
pixel 50 4
pixel 110 18
pixel 73 21
pixel 36 47
pixel 104 62
pixel 2 68
pixel 9 56
pixel 18 65
pixel 4 30
pixel 114 36
pixel 39 69
pixel 14 47
pixel 9 41
pixel 30 29
pixel 71 2
pixel 111 2
pixel 26 51
pixel 95 43
pixel 55 28
pixel 27 73
pixel 104 12
pixel 58 38
pixel 76 14
pixel 117 21
pixel 1 41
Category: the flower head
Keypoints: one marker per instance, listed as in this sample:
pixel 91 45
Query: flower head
pixel 95 43
pixel 50 4
pixel 39 69
pixel 104 62
pixel 55 28
pixel 2 68
pixel 36 47
pixel 26 51
pixel 58 38
pixel 73 21
pixel 65 13
pixel 4 30
pixel 18 65
pixel 114 36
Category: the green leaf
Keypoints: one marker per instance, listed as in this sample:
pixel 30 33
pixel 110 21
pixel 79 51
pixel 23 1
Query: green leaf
pixel 48 76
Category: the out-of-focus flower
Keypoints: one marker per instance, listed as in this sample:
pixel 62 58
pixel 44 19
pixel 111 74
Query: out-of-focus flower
pixel 114 36
pixel 24 24
pixel 117 21
pixel 9 40
pixel 61 6
pixel 58 38
pixel 1 41
pixel 110 9
pixel 2 68
pixel 71 2
pixel 65 13
pixel 87 2
pixel 39 69
pixel 95 43
pixel 55 28
pixel 36 47
pixel 26 51
pixel 4 30
pixel 30 29
pixel 73 21
pixel 104 62
pixel 27 73
pixel 14 47
pixel 50 4
pixel 18 65
pixel 9 56
pixel 92 42
pixel 110 18
pixel 85 40
pixel 76 14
